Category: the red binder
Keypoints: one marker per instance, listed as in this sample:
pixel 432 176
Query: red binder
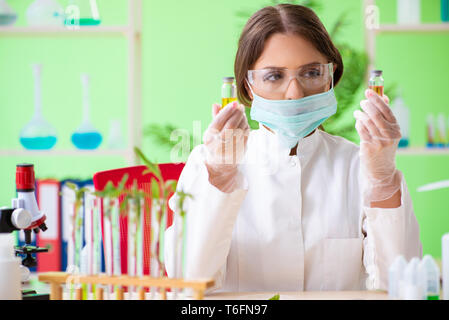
pixel 169 171
pixel 47 194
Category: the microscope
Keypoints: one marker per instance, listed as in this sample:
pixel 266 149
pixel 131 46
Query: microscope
pixel 24 215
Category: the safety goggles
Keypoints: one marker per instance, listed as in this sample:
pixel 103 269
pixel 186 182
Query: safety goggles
pixel 313 78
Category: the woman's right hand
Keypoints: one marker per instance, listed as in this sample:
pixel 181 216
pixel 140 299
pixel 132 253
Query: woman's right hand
pixel 225 140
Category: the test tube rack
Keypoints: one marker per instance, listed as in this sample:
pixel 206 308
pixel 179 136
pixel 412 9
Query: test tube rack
pixel 58 279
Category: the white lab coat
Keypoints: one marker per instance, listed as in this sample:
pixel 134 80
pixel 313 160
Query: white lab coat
pixel 296 222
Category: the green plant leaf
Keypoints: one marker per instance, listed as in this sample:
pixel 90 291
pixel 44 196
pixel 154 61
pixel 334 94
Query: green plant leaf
pixel 153 167
pixel 121 185
pixel 275 297
pixel 161 133
pixel 155 189
pixel 170 186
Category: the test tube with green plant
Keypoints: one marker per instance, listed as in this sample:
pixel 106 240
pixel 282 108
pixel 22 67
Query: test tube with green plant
pixel 77 225
pixel 133 206
pixel 161 190
pixel 110 195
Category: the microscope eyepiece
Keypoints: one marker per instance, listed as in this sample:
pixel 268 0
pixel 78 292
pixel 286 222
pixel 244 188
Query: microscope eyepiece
pixel 25 179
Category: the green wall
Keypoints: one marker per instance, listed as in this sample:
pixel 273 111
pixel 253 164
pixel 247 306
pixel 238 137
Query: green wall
pixel 188 46
pixel 418 62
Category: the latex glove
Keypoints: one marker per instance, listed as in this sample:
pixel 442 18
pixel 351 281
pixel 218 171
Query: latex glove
pixel 225 140
pixel 379 137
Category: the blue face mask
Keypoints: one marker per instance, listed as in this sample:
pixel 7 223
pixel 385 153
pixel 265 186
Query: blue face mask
pixel 292 120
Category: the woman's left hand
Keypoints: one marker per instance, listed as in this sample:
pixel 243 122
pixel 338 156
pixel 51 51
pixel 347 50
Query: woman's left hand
pixel 379 136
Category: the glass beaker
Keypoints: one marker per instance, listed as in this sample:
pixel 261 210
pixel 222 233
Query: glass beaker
pixel 7 15
pixel 82 13
pixel 45 13
pixel 86 137
pixel 38 134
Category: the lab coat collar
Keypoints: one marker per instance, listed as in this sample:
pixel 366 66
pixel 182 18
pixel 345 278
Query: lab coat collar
pixel 306 146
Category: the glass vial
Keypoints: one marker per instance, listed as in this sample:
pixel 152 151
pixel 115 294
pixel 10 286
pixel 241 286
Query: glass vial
pixel 228 91
pixel 376 82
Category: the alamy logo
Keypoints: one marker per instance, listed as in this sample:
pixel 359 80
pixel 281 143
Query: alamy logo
pixel 73 15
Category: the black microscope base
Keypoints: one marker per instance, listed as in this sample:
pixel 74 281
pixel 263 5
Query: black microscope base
pixel 33 295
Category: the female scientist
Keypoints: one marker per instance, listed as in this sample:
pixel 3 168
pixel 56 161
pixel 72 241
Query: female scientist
pixel 289 207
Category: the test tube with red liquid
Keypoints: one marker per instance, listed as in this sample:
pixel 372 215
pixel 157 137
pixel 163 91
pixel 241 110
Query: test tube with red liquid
pixel 376 82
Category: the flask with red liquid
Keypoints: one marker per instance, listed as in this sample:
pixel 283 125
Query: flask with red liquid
pixel 376 82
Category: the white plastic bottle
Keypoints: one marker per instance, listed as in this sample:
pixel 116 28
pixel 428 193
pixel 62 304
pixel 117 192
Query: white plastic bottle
pixel 10 275
pixel 445 265
pixel 395 276
pixel 412 284
pixel 431 277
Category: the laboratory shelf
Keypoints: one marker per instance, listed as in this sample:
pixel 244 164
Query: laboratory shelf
pixel 67 31
pixel 426 27
pixel 67 152
pixel 422 151
pixel 132 32
pixel 124 152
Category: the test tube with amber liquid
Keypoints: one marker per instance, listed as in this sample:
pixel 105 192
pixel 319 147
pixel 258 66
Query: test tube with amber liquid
pixel 228 91
pixel 376 82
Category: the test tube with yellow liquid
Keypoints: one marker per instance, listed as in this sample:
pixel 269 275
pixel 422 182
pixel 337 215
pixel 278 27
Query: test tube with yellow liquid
pixel 228 91
pixel 376 82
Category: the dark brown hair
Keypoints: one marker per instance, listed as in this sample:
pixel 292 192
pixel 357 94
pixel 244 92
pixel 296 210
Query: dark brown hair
pixel 282 18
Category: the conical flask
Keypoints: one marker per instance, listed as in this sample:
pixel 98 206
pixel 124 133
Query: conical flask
pixel 86 137
pixel 38 134
pixel 45 13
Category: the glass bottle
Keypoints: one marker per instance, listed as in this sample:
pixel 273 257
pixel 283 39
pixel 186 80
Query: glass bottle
pixel 7 15
pixel 228 91
pixel 376 82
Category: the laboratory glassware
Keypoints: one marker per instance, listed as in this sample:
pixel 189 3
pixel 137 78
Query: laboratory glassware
pixel 7 15
pixel 45 13
pixel 409 12
pixel 115 137
pixel 228 91
pixel 82 13
pixel 38 134
pixel 86 137
pixel 402 114
pixel 430 126
pixel 445 10
pixel 441 131
pixel 376 82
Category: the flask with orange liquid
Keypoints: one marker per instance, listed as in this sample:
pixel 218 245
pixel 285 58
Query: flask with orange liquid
pixel 228 91
pixel 376 82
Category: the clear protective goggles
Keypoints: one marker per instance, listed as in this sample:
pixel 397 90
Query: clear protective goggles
pixel 313 78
